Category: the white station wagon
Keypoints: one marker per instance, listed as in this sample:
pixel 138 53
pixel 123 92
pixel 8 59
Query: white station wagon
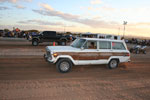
pixel 88 51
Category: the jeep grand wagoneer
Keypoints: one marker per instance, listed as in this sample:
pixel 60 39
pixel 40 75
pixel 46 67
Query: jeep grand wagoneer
pixel 88 51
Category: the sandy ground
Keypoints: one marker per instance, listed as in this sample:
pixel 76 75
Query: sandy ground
pixel 24 75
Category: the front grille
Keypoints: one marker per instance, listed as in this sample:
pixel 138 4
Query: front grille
pixel 49 54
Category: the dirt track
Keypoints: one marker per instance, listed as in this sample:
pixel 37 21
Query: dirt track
pixel 24 75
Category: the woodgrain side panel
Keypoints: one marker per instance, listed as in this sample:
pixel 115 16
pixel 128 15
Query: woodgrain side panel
pixel 91 55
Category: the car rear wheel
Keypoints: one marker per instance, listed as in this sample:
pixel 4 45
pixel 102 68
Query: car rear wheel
pixel 63 43
pixel 113 64
pixel 64 65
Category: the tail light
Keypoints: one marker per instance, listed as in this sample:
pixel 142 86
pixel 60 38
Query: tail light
pixel 128 54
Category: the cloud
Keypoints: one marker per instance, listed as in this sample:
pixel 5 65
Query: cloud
pixel 144 25
pixel 46 6
pixel 29 27
pixel 96 17
pixel 40 22
pixel 19 7
pixel 95 2
pixel 14 1
pixel 107 8
pixel 96 23
pixel 49 11
pixel 101 9
pixel 3 8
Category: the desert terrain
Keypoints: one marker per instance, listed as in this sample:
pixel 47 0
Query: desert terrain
pixel 25 75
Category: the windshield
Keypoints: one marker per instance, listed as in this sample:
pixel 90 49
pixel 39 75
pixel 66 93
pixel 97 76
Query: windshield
pixel 78 43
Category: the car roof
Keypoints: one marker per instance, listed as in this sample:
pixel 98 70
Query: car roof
pixel 97 39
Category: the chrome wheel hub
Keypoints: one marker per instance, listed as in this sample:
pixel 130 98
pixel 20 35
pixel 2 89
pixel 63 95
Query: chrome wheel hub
pixel 64 66
pixel 35 43
pixel 113 64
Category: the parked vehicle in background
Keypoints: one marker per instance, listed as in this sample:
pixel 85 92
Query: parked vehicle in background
pixel 48 36
pixel 148 42
pixel 126 40
pixel 8 34
pixel 30 35
pixel 88 51
pixel 89 35
pixel 138 49
pixel 101 36
pixel 115 37
pixel 1 33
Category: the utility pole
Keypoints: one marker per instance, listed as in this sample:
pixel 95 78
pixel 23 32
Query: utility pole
pixel 118 31
pixel 124 23
pixel 64 28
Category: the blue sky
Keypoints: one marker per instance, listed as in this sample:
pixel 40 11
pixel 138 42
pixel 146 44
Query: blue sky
pixel 96 16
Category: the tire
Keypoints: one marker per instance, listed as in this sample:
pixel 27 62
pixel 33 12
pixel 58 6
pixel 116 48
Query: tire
pixel 35 43
pixel 63 43
pixel 113 64
pixel 64 65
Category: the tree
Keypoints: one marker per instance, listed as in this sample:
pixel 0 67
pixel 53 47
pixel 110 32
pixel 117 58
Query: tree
pixel 33 31
pixel 68 33
pixel 6 30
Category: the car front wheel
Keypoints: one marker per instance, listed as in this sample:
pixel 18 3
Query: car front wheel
pixel 63 43
pixel 64 65
pixel 113 64
pixel 35 43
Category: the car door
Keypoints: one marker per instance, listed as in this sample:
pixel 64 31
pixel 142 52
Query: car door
pixel 105 51
pixel 45 36
pixel 89 54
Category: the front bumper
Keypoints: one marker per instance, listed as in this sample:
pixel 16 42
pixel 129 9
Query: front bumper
pixel 48 59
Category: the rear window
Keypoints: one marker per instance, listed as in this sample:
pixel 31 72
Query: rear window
pixel 118 46
pixel 104 45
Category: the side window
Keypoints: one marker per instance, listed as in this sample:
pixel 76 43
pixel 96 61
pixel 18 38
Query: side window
pixel 118 46
pixel 90 45
pixel 45 34
pixel 104 45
